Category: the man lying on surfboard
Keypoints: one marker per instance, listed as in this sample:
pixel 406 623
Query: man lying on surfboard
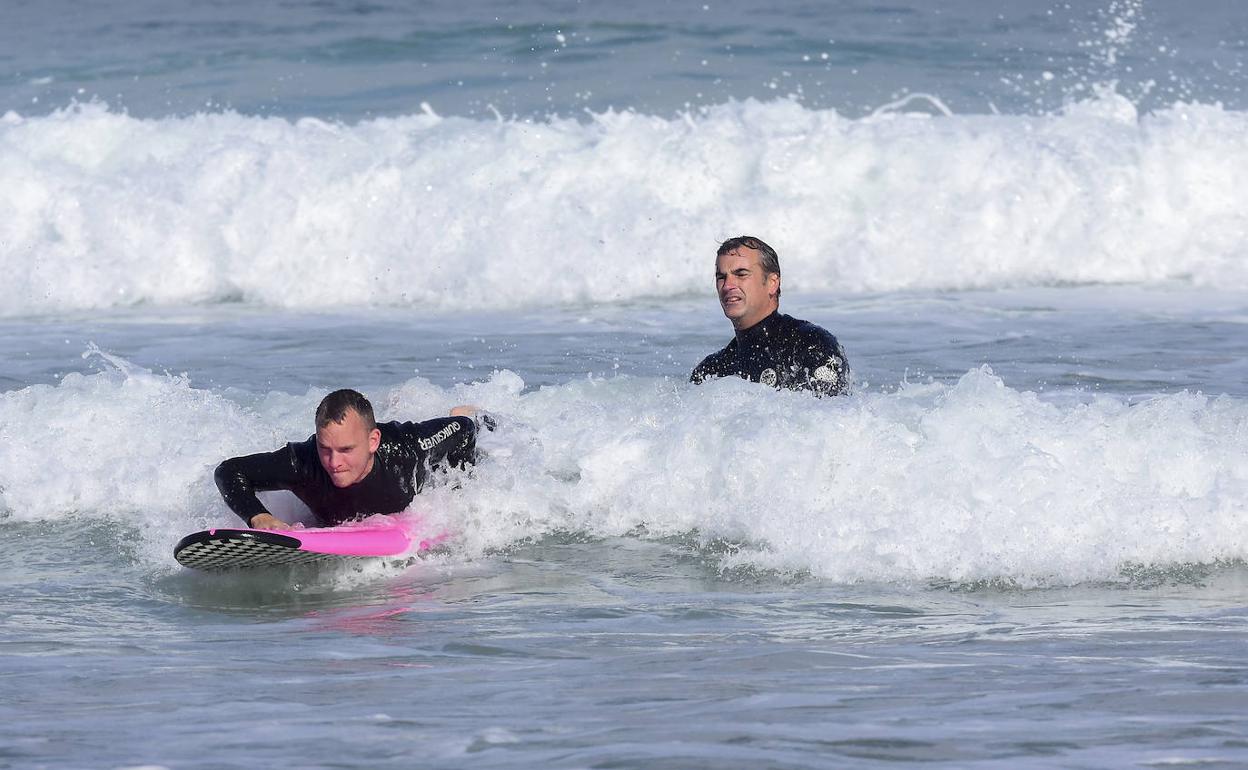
pixel 352 467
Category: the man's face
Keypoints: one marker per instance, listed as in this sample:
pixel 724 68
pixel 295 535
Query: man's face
pixel 346 449
pixel 746 293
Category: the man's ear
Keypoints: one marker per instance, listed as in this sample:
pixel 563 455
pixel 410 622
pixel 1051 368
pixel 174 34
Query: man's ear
pixel 374 440
pixel 773 285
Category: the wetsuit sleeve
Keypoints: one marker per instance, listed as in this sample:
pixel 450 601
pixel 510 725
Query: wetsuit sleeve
pixel 240 478
pixel 711 367
pixel 824 368
pixel 702 371
pixel 447 441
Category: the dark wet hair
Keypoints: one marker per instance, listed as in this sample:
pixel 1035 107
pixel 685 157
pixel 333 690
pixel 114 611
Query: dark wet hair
pixel 769 260
pixel 334 408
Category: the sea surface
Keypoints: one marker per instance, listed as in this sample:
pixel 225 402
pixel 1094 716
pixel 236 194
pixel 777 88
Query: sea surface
pixel 1022 541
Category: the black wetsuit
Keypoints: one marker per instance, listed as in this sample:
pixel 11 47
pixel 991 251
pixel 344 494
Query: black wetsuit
pixel 783 352
pixel 408 450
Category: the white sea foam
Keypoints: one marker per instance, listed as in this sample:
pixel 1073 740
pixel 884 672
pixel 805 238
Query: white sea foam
pixel 98 209
pixel 965 481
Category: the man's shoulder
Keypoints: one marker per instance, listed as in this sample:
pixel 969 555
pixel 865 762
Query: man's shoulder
pixel 298 457
pixel 399 440
pixel 302 450
pixel 817 351
pixel 802 328
pixel 393 428
pixel 397 433
pixel 716 364
pixel 806 335
pixel 726 353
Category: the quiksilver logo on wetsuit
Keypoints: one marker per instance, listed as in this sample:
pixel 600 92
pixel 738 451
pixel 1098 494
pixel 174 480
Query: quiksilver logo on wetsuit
pixel 437 438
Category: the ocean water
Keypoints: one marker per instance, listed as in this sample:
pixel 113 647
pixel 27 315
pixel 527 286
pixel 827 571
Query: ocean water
pixel 1020 542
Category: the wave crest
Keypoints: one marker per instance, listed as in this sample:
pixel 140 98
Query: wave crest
pixel 98 209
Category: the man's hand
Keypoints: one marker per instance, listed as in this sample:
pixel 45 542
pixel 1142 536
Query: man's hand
pixel 267 521
pixel 482 418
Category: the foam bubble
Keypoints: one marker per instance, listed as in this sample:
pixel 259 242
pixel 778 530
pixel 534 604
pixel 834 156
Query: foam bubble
pixel 98 209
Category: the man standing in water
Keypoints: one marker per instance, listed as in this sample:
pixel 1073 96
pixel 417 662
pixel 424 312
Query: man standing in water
pixel 352 467
pixel 769 347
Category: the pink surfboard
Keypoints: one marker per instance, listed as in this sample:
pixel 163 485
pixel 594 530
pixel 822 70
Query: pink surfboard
pixel 378 536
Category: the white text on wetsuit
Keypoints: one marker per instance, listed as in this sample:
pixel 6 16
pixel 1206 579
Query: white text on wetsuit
pixel 437 438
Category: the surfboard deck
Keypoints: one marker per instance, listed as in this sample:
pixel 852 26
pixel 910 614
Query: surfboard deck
pixel 215 550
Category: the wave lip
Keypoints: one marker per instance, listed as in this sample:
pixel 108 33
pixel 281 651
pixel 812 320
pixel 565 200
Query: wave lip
pixel 101 210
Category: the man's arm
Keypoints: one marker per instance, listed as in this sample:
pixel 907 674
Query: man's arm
pixel 711 367
pixel 825 370
pixel 239 478
pixel 700 373
pixel 446 441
